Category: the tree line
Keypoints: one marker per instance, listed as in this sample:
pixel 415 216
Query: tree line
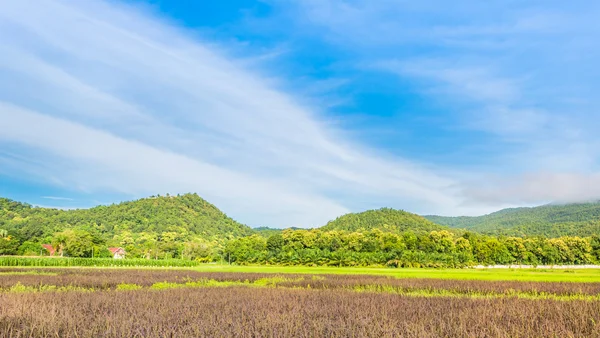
pixel 334 248
pixel 408 249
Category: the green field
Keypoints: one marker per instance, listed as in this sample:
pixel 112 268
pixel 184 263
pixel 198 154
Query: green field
pixel 534 275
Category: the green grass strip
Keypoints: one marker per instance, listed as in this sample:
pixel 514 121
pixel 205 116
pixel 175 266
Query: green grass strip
pixel 273 282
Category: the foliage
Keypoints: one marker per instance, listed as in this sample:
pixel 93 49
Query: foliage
pixel 332 306
pixel 189 228
pixel 538 274
pixel 385 219
pixel 96 262
pixel 582 219
pixel 155 227
pixel 421 249
pixel 266 231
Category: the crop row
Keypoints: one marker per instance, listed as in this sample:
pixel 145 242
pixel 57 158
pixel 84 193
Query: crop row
pixel 103 279
pixel 96 262
pixel 279 312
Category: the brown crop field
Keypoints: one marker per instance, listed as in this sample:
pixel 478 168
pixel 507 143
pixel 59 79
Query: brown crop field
pixel 185 303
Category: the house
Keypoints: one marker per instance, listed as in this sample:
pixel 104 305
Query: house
pixel 49 248
pixel 118 253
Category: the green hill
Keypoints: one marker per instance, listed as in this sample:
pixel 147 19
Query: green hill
pixel 267 232
pixel 187 215
pixel 581 219
pixel 386 219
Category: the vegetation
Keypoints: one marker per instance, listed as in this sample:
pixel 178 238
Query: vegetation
pixel 267 232
pixel 385 219
pixel 581 219
pixel 409 249
pixel 98 262
pixel 156 227
pixel 268 312
pixel 156 230
pixel 522 275
pixel 159 303
pixel 97 280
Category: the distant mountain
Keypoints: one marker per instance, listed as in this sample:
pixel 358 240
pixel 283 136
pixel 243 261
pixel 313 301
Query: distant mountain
pixel 552 220
pixel 187 215
pixel 386 219
pixel 266 231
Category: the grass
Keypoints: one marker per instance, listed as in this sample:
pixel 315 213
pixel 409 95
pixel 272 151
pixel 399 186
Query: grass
pixel 225 301
pixel 26 273
pixel 531 275
pixel 20 288
pixel 273 282
pixel 282 312
pixel 132 280
pixel 14 261
pixel 428 293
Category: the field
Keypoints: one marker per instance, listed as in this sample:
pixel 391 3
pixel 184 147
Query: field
pixel 557 274
pixel 277 302
pixel 527 275
pixel 14 261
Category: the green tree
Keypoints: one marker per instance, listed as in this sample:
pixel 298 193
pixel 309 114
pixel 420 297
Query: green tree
pixel 74 242
pixel 443 241
pixel 275 243
pixel 8 245
pixel 29 248
pixel 197 250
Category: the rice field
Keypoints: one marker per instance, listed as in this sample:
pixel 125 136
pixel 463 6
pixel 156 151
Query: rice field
pixel 556 274
pixel 15 261
pixel 88 302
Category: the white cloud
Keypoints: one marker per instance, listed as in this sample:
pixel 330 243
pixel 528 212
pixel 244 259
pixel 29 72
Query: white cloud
pixel 523 77
pixel 109 99
pixel 94 160
pixel 57 198
pixel 474 83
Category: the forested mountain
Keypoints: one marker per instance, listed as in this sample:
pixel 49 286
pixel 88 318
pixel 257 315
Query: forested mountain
pixel 188 227
pixel 266 231
pixel 385 219
pixel 582 219
pixel 156 224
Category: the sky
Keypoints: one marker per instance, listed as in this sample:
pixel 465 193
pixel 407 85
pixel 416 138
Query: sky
pixel 292 113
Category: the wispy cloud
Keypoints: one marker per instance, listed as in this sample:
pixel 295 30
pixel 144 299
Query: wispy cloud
pixel 57 198
pixel 111 99
pixel 102 97
pixel 523 76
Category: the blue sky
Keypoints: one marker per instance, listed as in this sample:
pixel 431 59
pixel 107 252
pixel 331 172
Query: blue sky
pixel 291 113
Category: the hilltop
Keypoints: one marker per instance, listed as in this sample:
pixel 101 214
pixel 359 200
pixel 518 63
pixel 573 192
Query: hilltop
pixel 267 231
pixel 385 219
pixel 552 220
pixel 187 215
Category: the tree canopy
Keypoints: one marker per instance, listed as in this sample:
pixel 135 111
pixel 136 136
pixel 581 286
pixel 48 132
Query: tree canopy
pixel 581 219
pixel 385 219
pixel 156 225
pixel 188 227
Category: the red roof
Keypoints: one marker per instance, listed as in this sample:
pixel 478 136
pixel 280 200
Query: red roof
pixel 50 248
pixel 115 250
